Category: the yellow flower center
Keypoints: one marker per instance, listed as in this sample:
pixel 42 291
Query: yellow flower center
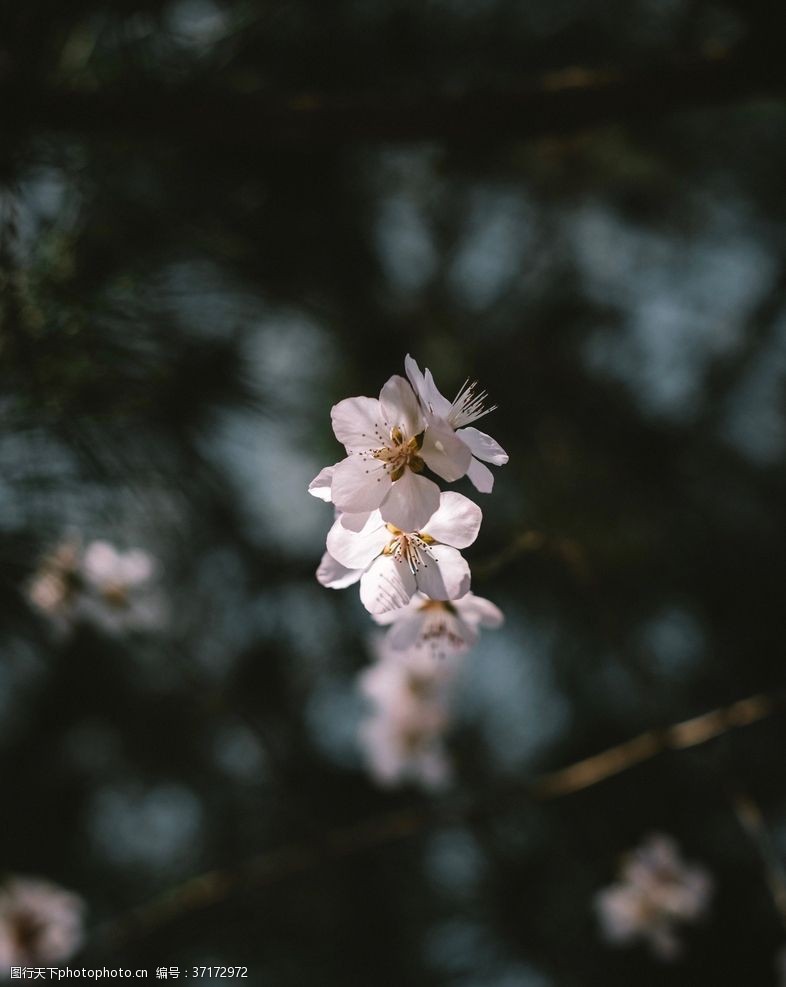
pixel 413 547
pixel 401 453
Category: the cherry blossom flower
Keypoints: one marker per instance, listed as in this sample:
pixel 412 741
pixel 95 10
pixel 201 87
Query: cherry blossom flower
pixel 113 573
pixel 384 440
pixel 450 434
pixel 55 586
pixel 399 749
pixel 100 584
pixel 403 739
pixel 397 563
pixel 118 596
pixel 441 627
pixel 656 893
pixel 333 574
pixel 40 923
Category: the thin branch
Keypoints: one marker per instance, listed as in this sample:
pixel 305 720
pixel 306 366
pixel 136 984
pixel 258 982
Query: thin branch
pixel 522 544
pixel 558 102
pixel 752 821
pixel 214 887
pixel 568 551
pixel 679 736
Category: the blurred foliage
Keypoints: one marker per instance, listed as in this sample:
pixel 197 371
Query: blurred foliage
pixel 178 315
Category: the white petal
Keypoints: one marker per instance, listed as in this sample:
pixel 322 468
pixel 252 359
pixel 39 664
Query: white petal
pixel 457 522
pixel 357 423
pixel 483 446
pixel 392 615
pixel 357 549
pixel 446 576
pixel 411 502
pixel 356 522
pixel 481 476
pixel 443 451
pixel 135 566
pixel 437 402
pixel 320 485
pixel 464 631
pixel 400 407
pixel 417 379
pixel 386 585
pixel 477 610
pixel 359 484
pixel 405 630
pixel 100 561
pixel 334 575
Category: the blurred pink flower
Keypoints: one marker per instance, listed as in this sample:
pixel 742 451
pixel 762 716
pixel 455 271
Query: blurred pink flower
pixel 403 738
pixel 657 892
pixel 40 923
pixel 100 584
pixel 119 594
pixel 56 583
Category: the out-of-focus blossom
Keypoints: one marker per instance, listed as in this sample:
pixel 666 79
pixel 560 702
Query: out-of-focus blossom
pixel 411 750
pixel 40 923
pixel 100 584
pixel 657 893
pixel 403 738
pixel 118 584
pixel 398 563
pixel 440 627
pixel 56 584
pixel 383 439
pixel 449 435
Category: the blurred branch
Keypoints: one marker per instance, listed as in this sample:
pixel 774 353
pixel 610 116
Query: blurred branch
pixel 557 102
pixel 679 736
pixel 215 887
pixel 566 550
pixel 752 821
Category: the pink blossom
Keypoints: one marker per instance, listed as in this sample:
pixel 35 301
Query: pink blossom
pixel 656 893
pixel 397 563
pixel 441 627
pixel 40 923
pixel 449 434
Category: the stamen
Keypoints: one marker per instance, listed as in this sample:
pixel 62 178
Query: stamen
pixel 409 548
pixel 468 405
pixel 397 453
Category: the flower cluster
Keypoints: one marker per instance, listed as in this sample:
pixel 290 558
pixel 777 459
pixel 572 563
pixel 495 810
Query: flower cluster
pixel 400 537
pixel 109 588
pixel 655 894
pixel 403 738
pixel 395 532
pixel 40 923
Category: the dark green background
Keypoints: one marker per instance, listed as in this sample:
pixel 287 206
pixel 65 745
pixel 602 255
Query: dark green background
pixel 219 219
